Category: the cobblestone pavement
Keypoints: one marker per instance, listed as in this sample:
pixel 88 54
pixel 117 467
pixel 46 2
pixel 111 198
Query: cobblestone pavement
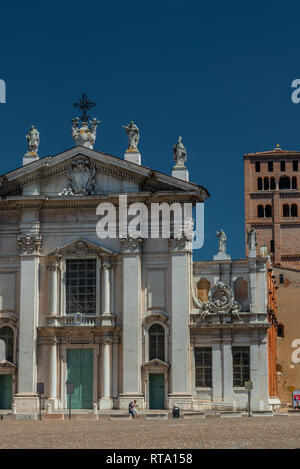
pixel 259 432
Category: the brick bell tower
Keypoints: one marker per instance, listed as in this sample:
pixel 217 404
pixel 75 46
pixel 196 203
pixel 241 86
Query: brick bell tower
pixel 272 204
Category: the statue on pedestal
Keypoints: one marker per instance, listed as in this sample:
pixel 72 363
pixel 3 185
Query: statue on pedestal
pixel 33 139
pixel 179 153
pixel 85 135
pixel 252 239
pixel 222 240
pixel 133 136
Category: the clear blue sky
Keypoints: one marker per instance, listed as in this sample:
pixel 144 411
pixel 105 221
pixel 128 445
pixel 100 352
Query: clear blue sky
pixel 217 73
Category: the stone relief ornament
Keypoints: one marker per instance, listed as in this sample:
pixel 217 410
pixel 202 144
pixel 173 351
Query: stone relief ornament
pixel 252 239
pixel 86 134
pixel 133 136
pixel 81 177
pixel 179 153
pixel 33 139
pixel 29 244
pixel 220 301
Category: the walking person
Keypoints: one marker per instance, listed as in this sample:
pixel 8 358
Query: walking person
pixel 131 409
pixel 135 411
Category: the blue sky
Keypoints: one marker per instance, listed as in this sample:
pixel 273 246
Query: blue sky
pixel 217 73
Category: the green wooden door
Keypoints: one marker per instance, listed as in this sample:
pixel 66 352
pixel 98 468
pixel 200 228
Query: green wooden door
pixel 157 391
pixel 80 372
pixel 5 391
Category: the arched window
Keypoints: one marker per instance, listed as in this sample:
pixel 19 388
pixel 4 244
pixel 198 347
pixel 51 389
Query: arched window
pixel 294 210
pixel 266 184
pixel 268 211
pixel 294 182
pixel 156 342
pixel 259 184
pixel 272 184
pixel 7 335
pixel 286 210
pixel 203 289
pixel 284 182
pixel 260 211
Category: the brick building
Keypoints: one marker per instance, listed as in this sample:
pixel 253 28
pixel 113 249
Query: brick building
pixel 272 192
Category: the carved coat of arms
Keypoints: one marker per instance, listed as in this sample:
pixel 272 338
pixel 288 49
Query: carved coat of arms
pixel 81 177
pixel 220 301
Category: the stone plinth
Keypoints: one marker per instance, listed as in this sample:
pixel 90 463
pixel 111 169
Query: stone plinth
pixel 133 157
pixel 180 172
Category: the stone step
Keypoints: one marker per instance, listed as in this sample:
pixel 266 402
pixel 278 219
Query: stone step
pixel 262 413
pixel 121 417
pixel 212 414
pixel 27 416
pixel 231 414
pixel 157 416
pixel 194 415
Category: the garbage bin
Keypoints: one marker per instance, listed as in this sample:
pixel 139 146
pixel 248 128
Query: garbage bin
pixel 176 412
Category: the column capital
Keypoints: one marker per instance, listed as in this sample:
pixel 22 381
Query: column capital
pixel 180 244
pixel 131 244
pixel 29 243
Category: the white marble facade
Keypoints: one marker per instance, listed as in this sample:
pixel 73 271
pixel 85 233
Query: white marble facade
pixel 47 220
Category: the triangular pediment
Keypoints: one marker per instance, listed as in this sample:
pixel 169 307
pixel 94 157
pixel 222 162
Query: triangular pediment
pixel 81 247
pixel 50 176
pixel 156 362
pixel 5 364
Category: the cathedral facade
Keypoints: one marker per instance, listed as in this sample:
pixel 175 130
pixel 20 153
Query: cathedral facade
pixel 127 317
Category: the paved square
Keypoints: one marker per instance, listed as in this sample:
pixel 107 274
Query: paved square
pixel 260 432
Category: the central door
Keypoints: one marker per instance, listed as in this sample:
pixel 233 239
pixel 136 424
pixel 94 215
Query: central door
pixel 80 372
pixel 5 392
pixel 157 391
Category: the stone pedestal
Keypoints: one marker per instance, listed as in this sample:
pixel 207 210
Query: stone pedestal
pixel 222 256
pixel 133 157
pixel 29 157
pixel 125 399
pixel 26 403
pixel 180 172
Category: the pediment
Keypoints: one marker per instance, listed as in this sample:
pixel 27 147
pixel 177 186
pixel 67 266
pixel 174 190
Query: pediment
pixel 81 247
pixel 156 362
pixel 5 364
pixel 50 176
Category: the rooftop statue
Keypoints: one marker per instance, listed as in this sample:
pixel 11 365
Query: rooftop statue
pixel 179 153
pixel 133 136
pixel 33 139
pixel 222 240
pixel 86 134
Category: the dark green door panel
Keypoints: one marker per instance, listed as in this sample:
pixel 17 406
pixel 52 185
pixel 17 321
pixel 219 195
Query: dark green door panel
pixel 5 391
pixel 80 372
pixel 157 391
